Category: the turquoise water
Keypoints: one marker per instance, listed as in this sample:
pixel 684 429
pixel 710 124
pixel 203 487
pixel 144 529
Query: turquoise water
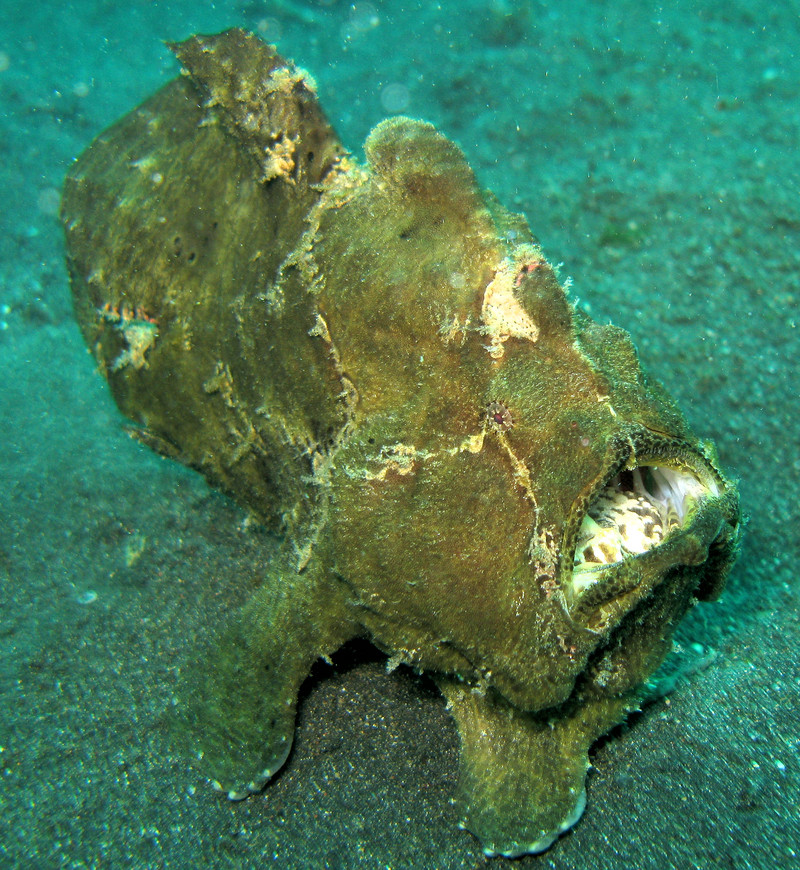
pixel 654 152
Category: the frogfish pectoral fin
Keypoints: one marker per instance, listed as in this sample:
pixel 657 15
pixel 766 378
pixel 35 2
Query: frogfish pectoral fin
pixel 239 694
pixel 521 775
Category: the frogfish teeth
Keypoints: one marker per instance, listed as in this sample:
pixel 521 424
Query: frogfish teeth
pixel 377 359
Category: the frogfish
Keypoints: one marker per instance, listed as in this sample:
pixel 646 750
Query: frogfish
pixel 375 359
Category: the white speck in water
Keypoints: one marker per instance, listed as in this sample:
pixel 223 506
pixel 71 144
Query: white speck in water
pixel 87 597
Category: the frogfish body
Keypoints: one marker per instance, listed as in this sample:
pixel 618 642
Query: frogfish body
pixel 378 359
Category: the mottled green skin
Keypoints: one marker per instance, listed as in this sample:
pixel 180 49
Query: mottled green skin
pixel 313 335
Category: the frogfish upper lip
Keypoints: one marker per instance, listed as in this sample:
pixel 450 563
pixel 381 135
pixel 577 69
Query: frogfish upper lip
pixel 642 505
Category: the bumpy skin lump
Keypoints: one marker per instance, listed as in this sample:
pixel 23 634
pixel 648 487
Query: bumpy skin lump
pixel 322 340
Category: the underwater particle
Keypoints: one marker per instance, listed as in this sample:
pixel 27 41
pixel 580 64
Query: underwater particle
pixel 498 414
pixel 270 28
pixel 364 17
pixel 87 597
pixel 395 98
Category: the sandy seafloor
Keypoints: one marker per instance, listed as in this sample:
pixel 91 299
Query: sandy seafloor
pixel 655 152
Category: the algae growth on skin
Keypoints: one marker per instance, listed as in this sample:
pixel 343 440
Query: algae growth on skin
pixel 378 359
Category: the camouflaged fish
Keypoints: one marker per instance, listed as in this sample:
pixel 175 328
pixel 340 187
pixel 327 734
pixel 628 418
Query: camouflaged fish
pixel 378 359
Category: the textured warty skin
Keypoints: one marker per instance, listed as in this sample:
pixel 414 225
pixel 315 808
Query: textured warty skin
pixel 378 359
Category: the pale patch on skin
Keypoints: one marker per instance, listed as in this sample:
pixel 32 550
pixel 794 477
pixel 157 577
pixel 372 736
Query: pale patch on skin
pixel 140 337
pixel 398 459
pixel 522 474
pixel 502 313
pixel 138 329
pixel 471 444
pixel 286 78
pixel 403 459
pixel 279 159
pixel 455 331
